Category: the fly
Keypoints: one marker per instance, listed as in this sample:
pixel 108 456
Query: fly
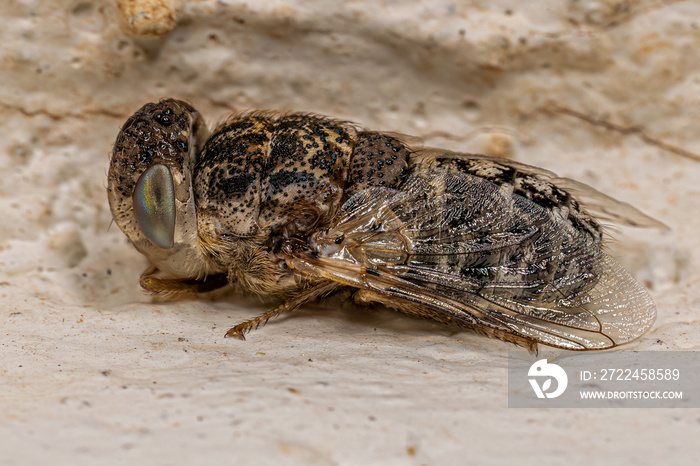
pixel 295 207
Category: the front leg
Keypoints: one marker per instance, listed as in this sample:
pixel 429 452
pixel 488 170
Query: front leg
pixel 169 289
pixel 312 293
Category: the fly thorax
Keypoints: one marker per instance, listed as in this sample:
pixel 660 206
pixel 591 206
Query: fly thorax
pixel 280 174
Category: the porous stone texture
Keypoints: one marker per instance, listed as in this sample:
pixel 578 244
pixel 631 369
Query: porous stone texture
pixel 91 372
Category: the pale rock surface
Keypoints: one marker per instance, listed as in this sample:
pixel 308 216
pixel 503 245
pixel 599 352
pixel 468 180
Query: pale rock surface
pixel 91 372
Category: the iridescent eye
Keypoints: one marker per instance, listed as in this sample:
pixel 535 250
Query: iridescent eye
pixel 154 206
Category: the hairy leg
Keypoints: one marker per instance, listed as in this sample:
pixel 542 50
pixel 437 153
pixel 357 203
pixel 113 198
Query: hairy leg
pixel 310 294
pixel 169 289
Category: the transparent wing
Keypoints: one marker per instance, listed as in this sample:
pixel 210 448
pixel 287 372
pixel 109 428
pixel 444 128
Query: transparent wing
pixel 596 203
pixel 608 208
pixel 466 250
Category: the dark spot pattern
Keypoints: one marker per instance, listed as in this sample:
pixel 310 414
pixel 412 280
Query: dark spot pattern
pixel 379 160
pixel 289 174
pixel 536 189
pixel 229 172
pixel 158 133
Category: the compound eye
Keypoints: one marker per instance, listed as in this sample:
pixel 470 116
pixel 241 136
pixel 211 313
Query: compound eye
pixel 154 206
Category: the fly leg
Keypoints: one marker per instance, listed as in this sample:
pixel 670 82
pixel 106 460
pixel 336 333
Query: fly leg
pixel 310 294
pixel 167 289
pixel 367 297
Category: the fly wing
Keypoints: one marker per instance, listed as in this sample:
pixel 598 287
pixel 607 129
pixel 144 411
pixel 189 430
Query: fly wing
pixel 498 169
pixel 608 208
pixel 468 250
